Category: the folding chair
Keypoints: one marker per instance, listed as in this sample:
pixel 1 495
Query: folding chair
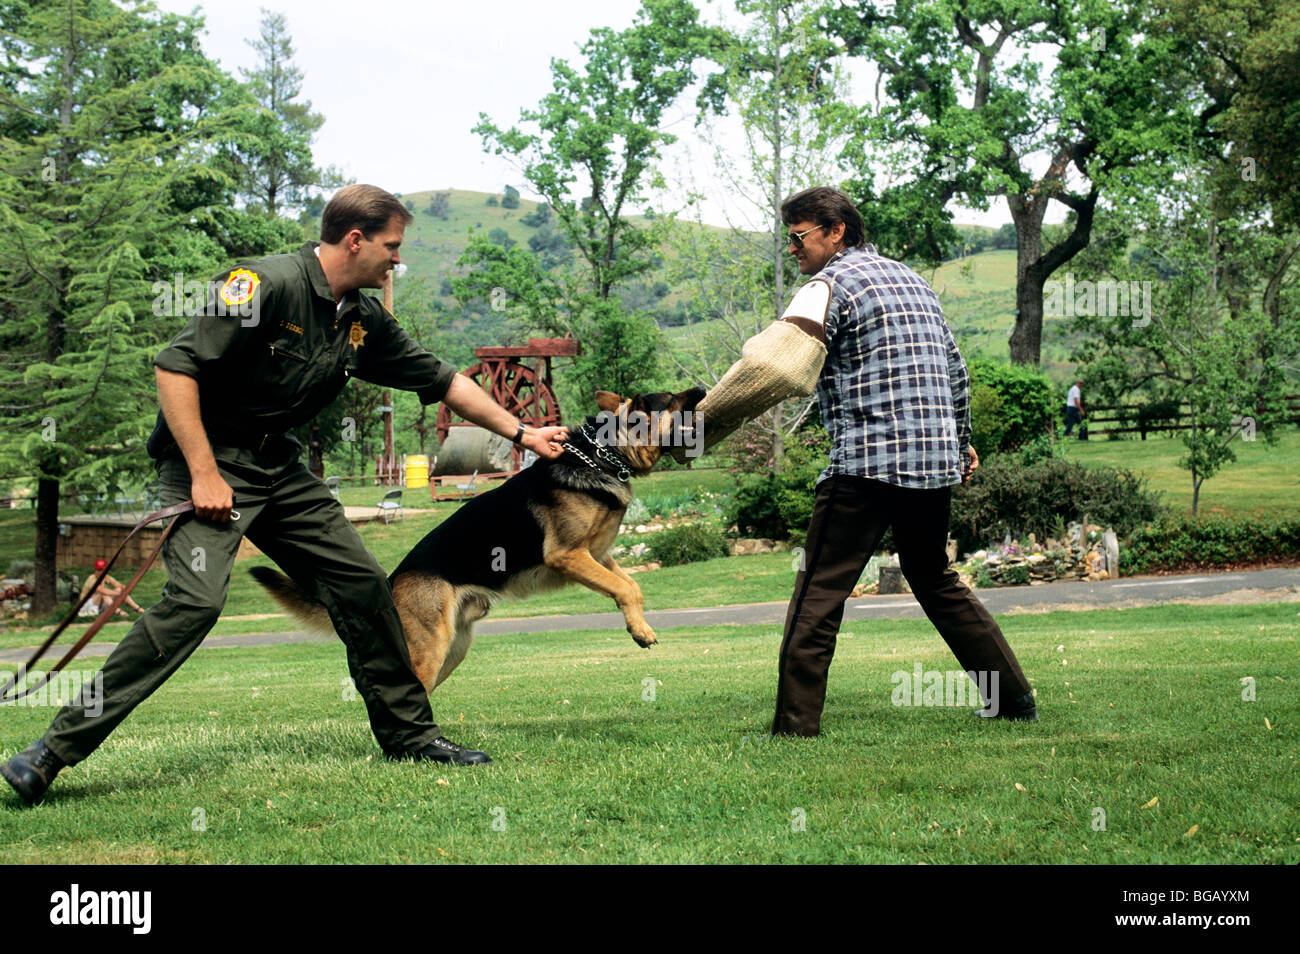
pixel 468 490
pixel 392 503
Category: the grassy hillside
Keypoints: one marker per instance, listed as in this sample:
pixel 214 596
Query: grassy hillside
pixel 433 244
pixel 978 291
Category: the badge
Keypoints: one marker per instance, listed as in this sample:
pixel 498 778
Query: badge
pixel 357 336
pixel 240 287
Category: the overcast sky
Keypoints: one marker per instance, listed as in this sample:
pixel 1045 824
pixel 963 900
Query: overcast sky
pixel 401 85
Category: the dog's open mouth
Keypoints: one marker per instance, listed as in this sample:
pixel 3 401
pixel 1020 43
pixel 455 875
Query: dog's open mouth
pixel 641 427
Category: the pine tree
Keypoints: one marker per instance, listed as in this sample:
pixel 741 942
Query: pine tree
pixel 100 144
pixel 275 163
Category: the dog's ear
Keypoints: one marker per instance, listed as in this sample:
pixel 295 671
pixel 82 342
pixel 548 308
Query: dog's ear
pixel 686 400
pixel 608 401
pixel 656 401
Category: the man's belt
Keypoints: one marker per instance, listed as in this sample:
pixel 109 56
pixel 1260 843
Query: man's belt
pixel 261 443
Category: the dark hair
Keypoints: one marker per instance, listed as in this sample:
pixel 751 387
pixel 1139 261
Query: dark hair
pixel 827 207
pixel 365 207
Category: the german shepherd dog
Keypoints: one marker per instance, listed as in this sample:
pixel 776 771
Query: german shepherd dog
pixel 552 523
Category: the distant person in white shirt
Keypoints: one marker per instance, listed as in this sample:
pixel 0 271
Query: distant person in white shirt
pixel 1074 413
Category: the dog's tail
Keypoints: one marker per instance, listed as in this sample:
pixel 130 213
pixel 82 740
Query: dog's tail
pixel 294 598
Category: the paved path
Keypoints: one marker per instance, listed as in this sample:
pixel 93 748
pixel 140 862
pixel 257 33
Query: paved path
pixel 1244 587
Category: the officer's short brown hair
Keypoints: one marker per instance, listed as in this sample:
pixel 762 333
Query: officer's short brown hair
pixel 365 207
pixel 827 207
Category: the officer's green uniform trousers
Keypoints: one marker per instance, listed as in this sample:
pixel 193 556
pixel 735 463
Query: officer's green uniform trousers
pixel 291 517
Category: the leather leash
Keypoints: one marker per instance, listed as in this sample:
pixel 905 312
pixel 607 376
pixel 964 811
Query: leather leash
pixel 175 510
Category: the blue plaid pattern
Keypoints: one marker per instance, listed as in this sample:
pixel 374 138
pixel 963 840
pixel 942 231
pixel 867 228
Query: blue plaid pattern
pixel 894 393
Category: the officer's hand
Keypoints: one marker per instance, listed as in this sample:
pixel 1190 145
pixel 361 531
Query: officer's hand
pixel 212 496
pixel 545 441
pixel 974 464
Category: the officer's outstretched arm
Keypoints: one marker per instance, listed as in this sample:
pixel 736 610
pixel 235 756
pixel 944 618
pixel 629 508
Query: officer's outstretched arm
pixel 179 396
pixel 471 402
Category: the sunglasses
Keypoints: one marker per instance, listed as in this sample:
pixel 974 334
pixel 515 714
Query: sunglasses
pixel 796 238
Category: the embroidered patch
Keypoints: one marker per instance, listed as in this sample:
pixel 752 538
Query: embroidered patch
pixel 357 336
pixel 240 287
pixel 292 327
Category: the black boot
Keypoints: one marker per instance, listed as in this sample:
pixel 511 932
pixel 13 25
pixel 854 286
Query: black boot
pixel 444 750
pixel 31 771
pixel 1022 709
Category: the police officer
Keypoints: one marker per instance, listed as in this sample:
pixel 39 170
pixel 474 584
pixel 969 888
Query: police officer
pixel 279 339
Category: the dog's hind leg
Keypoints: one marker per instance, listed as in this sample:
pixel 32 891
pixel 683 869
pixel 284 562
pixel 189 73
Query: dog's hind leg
pixel 581 567
pixel 427 607
pixel 471 610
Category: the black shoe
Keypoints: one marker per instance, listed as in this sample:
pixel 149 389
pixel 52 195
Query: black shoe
pixel 31 771
pixel 444 750
pixel 1022 709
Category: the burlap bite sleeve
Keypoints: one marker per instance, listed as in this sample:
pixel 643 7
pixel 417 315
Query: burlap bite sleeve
pixel 782 361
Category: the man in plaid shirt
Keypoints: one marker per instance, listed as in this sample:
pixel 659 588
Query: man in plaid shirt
pixel 895 398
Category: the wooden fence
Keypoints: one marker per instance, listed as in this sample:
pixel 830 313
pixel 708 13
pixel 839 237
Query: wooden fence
pixel 1151 418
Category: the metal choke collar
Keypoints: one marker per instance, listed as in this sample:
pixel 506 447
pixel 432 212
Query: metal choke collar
pixel 619 465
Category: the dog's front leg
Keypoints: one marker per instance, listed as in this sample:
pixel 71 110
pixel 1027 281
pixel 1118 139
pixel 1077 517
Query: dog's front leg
pixel 609 578
pixel 610 564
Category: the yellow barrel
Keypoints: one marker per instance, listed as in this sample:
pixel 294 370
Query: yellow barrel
pixel 417 470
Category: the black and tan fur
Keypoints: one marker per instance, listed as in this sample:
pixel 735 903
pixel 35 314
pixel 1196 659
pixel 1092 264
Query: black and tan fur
pixel 551 524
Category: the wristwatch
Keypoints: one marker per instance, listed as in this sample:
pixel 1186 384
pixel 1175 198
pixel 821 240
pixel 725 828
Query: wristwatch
pixel 519 434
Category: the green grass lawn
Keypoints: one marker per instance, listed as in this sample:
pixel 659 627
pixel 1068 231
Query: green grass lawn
pixel 1262 483
pixel 1143 719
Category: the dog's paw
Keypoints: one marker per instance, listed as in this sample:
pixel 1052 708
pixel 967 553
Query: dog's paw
pixel 645 638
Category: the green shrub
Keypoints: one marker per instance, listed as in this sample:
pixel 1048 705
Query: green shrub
pixel 1006 497
pixel 806 456
pixel 1027 406
pixel 1043 447
pixel 688 543
pixel 753 508
pixel 637 512
pixel 780 505
pixel 1016 574
pixel 1184 543
pixel 988 423
pixel 681 503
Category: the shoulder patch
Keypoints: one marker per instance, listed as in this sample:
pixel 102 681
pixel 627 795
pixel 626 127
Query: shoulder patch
pixel 240 287
pixel 373 307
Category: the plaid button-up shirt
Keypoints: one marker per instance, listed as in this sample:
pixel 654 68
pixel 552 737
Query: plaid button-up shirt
pixel 894 393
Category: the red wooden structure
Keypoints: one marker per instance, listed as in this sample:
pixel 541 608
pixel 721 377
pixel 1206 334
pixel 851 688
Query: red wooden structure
pixel 519 379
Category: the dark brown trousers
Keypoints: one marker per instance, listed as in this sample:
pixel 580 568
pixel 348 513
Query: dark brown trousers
pixel 850 515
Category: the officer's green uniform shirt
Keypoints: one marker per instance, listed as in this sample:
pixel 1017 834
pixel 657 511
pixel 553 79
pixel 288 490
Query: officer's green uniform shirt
pixel 273 350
